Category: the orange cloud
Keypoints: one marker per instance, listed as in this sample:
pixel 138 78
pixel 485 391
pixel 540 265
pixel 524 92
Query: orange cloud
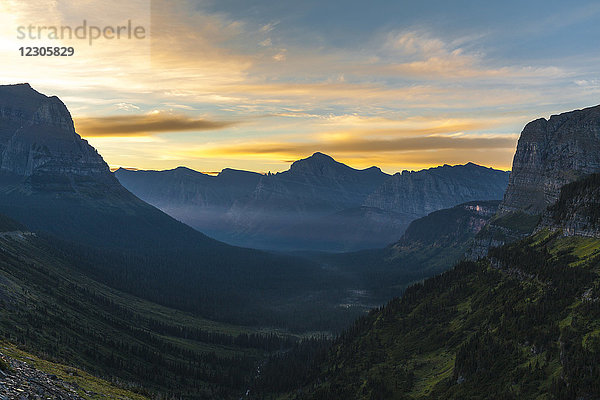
pixel 427 143
pixel 145 125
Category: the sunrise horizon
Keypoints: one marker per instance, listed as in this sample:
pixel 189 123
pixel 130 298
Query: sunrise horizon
pixel 401 87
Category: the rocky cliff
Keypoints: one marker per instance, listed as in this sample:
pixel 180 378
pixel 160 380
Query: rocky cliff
pixel 38 141
pixel 577 210
pixel 550 154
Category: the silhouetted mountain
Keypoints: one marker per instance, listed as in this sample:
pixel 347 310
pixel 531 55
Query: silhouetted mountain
pixel 318 204
pixel 198 199
pixel 183 187
pixel 299 208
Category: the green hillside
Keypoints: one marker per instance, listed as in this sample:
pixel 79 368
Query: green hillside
pixel 521 324
pixel 52 309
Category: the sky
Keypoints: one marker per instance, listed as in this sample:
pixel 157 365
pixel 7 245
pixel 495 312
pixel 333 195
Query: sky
pixel 256 84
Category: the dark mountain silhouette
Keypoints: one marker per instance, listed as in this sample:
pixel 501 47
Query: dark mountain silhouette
pixel 318 204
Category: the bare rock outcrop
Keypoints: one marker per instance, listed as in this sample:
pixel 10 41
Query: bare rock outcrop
pixel 550 154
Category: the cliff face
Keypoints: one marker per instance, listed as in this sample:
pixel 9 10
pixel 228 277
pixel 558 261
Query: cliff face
pixel 38 140
pixel 550 154
pixel 577 210
pixel 420 193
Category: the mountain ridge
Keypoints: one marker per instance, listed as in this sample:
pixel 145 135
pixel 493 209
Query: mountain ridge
pixel 318 204
pixel 550 153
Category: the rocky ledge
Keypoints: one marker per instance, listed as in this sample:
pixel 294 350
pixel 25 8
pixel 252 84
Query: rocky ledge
pixel 22 381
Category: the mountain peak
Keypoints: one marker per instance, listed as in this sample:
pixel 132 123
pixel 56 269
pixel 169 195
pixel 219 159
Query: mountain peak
pixel 318 164
pixel 37 136
pixel 319 155
pixel 229 172
pixel 21 86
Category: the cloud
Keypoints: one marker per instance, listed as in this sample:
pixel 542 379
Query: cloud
pixel 266 43
pixel 353 145
pixel 269 27
pixel 391 154
pixel 127 106
pixel 280 56
pixel 145 125
pixel 418 54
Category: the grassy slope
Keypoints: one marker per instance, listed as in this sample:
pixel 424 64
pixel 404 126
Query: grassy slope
pixel 56 311
pixel 528 328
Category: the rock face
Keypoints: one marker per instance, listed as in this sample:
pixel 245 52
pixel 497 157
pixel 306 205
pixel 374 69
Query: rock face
pixel 550 154
pixel 26 382
pixel 38 140
pixel 577 210
pixel 422 192
pixel 318 204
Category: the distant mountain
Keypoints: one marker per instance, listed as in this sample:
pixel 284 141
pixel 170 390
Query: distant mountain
pixel 318 204
pixel 307 208
pixel 55 183
pixel 429 246
pixel 419 193
pixel 198 199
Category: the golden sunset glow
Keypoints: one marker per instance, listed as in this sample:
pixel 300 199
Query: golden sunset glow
pixel 212 89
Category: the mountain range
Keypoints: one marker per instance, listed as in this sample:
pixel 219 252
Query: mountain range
pixel 94 277
pixel 319 204
pixel 54 183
